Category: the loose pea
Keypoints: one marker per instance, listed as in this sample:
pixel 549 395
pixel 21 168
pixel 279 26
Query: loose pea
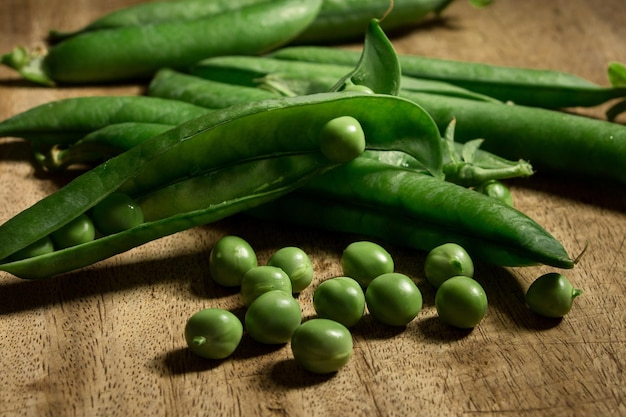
pixel 213 333
pixel 321 346
pixel 116 213
pixel 273 317
pixel 551 295
pixel 342 139
pixel 461 302
pixel 393 299
pixel 230 259
pixel 446 261
pixel 296 264
pixel 261 279
pixel 364 261
pixel 340 299
pixel 80 230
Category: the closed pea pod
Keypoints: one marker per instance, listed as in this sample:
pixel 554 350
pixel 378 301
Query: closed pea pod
pixel 138 52
pixel 207 145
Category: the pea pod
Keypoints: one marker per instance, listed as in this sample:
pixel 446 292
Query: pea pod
pixel 215 144
pixel 139 51
pixel 66 120
pixel 407 208
pixel 526 86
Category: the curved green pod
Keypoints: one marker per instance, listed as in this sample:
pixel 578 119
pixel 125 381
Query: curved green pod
pixel 407 208
pixel 137 52
pixel 214 146
pixel 64 121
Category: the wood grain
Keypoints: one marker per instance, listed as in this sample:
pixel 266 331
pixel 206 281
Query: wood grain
pixel 107 340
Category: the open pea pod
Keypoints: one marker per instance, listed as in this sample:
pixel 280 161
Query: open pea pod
pixel 212 147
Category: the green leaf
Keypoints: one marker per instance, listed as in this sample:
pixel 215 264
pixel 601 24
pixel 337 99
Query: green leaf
pixel 617 74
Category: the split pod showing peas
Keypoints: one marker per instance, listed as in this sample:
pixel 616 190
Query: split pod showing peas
pixel 225 162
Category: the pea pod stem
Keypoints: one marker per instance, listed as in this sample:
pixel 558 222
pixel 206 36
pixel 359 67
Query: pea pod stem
pixel 404 207
pixel 525 86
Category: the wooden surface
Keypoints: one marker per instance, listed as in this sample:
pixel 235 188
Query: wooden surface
pixel 108 340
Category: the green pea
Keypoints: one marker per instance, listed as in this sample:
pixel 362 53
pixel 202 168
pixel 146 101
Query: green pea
pixel 340 299
pixel 213 333
pixel 461 302
pixel 273 317
pixel 116 213
pixel 446 261
pixel 40 247
pixel 321 346
pixel 393 299
pixel 230 259
pixel 359 88
pixel 551 295
pixel 261 279
pixel 80 230
pixel 364 261
pixel 296 264
pixel 342 139
pixel 497 190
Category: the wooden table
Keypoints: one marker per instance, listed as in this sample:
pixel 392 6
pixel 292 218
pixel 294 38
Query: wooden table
pixel 107 340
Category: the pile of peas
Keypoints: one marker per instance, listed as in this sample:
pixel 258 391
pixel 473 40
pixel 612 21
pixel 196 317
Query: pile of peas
pixel 369 283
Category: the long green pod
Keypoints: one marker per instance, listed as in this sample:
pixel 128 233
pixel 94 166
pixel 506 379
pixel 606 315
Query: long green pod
pixel 153 12
pixel 526 86
pixel 67 120
pixel 344 20
pixel 251 71
pixel 407 208
pixel 176 85
pixel 249 132
pixel 138 52
pixel 553 142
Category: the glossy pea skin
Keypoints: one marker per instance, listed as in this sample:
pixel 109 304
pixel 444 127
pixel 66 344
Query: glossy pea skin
pixel 230 259
pixel 40 247
pixel 116 213
pixel 80 230
pixel 498 190
pixel 340 299
pixel 321 346
pixel 213 333
pixel 273 317
pixel 551 295
pixel 296 264
pixel 393 299
pixel 261 279
pixel 461 302
pixel 346 131
pixel 446 261
pixel 364 260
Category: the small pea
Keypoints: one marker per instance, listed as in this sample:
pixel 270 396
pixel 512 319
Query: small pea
pixel 261 279
pixel 364 261
pixel 321 346
pixel 115 213
pixel 213 333
pixel 296 264
pixel 551 295
pixel 40 247
pixel 461 302
pixel 393 299
pixel 342 139
pixel 497 190
pixel 80 230
pixel 230 259
pixel 340 299
pixel 358 88
pixel 273 317
pixel 446 261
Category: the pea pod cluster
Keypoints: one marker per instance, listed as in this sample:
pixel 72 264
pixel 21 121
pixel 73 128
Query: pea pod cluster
pixel 219 164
